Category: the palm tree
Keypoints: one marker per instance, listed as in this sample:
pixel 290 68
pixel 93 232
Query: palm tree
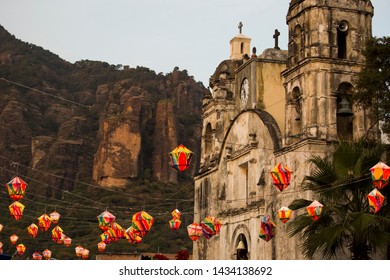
pixel 341 182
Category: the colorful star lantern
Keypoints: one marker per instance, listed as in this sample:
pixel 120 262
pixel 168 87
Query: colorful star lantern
pixel 284 214
pixel 16 210
pixel 133 235
pixel 47 254
pixel 375 200
pixel 37 256
pixel 55 216
pixel 267 228
pixel 175 222
pixel 194 231
pixel 217 225
pixel 105 237
pixel 13 238
pixel 209 227
pixel 57 235
pixel 85 254
pixel 101 246
pixel 119 231
pixel 44 222
pixel 105 220
pixel 180 158
pixel 314 210
pixel 21 249
pixel 16 188
pixel 79 251
pixel 32 230
pixel 380 174
pixel 142 222
pixel 1 227
pixel 281 176
pixel 67 241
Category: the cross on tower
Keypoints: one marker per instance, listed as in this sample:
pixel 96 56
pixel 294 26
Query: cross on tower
pixel 240 25
pixel 276 37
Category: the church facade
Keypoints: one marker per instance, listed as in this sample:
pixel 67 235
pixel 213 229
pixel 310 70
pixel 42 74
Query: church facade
pixel 282 106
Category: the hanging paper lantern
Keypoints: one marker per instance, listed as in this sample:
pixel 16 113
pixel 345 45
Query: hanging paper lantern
pixel 14 238
pixel 142 222
pixel 217 225
pixel 314 210
pixel 1 227
pixel 105 237
pixel 16 210
pixel 1 251
pixel 208 227
pixel 47 254
pixel 375 200
pixel 105 220
pixel 1 245
pixel 176 214
pixel 57 234
pixel 44 222
pixel 79 251
pixel 101 246
pixel 67 241
pixel 32 230
pixel 284 214
pixel 119 231
pixel 174 224
pixel 20 249
pixel 37 256
pixel 281 176
pixel 133 235
pixel 55 216
pixel 194 231
pixel 380 174
pixel 267 228
pixel 180 158
pixel 16 188
pixel 85 254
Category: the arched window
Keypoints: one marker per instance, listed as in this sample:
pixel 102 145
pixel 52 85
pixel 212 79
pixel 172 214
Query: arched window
pixel 242 48
pixel 342 33
pixel 344 112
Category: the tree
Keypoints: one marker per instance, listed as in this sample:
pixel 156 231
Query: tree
pixel 341 182
pixel 373 83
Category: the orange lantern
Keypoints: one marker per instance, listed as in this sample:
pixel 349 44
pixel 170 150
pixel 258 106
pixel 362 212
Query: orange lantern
pixel 67 241
pixel 375 200
pixel 380 174
pixel 284 214
pixel 1 245
pixel 174 224
pixel 180 158
pixel 14 238
pixel 16 188
pixel 79 251
pixel 16 210
pixel 314 210
pixel 85 254
pixel 47 254
pixel 194 231
pixel 37 256
pixel 20 249
pixel 56 234
pixel 133 235
pixel 101 246
pixel 32 230
pixel 44 222
pixel 55 216
pixel 105 220
pixel 281 176
pixel 1 227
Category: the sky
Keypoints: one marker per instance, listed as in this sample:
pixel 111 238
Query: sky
pixel 158 34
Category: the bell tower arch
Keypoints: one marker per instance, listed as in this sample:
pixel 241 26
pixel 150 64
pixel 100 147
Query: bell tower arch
pixel 326 40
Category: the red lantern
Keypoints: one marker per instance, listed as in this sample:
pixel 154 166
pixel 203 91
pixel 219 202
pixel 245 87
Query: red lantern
pixel 284 214
pixel 194 231
pixel 47 254
pixel 1 245
pixel 375 200
pixel 380 174
pixel 85 254
pixel 281 176
pixel 14 238
pixel 67 241
pixel 1 227
pixel 174 224
pixel 32 230
pixel 16 188
pixel 37 256
pixel 16 210
pixel 101 246
pixel 56 234
pixel 55 216
pixel 79 251
pixel 314 210
pixel 44 222
pixel 20 249
pixel 105 220
pixel 180 158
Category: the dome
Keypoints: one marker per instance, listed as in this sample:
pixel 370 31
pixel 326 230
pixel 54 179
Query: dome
pixel 274 54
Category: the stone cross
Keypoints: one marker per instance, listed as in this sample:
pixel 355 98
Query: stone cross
pixel 240 25
pixel 276 37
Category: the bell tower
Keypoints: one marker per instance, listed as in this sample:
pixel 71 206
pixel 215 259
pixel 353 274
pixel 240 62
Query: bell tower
pixel 326 40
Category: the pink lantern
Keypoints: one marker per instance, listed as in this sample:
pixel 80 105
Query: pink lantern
pixel 67 241
pixel 314 210
pixel 101 246
pixel 105 220
pixel 194 231
pixel 79 251
pixel 37 256
pixel 85 254
pixel 55 216
pixel 375 200
pixel 14 238
pixel 1 245
pixel 47 254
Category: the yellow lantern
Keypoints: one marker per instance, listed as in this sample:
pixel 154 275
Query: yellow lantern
pixel 20 249
pixel 284 214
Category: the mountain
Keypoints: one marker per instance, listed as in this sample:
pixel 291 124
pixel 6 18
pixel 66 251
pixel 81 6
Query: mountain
pixel 88 135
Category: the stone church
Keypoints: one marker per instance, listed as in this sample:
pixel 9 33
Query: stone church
pixel 280 106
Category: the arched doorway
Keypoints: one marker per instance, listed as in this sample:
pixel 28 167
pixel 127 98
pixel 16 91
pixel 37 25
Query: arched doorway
pixel 241 247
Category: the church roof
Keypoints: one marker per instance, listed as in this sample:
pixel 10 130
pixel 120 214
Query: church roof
pixel 274 54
